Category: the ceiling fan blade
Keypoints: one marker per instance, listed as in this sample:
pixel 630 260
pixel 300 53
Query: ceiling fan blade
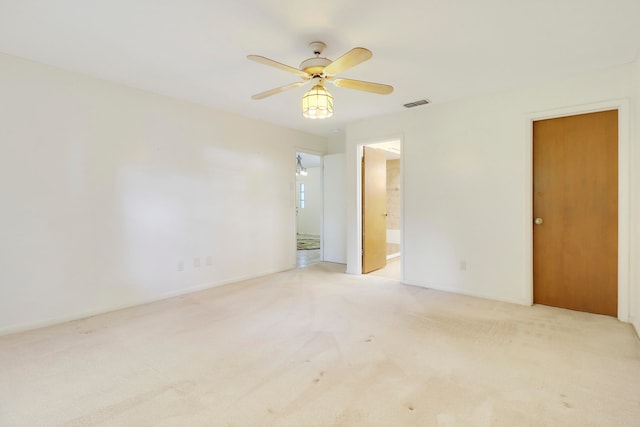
pixel 361 85
pixel 275 64
pixel 350 59
pixel 277 90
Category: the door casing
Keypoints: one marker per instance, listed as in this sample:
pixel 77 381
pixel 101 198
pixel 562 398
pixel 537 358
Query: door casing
pixel 356 267
pixel 624 183
pixel 294 190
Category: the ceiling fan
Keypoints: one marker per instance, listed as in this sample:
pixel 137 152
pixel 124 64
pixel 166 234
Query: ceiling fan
pixel 318 102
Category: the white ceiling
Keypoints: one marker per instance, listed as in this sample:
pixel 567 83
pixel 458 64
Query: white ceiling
pixel 436 49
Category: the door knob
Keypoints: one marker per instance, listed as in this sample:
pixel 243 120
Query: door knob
pixel 538 221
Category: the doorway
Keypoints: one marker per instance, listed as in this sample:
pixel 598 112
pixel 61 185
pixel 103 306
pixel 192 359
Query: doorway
pixel 575 210
pixel 381 209
pixel 308 197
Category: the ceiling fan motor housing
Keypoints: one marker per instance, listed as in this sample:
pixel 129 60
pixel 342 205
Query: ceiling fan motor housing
pixel 314 66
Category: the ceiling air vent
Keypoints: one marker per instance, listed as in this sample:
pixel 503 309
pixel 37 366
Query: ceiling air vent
pixel 417 103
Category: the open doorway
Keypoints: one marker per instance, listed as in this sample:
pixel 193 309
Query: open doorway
pixel 308 209
pixel 387 243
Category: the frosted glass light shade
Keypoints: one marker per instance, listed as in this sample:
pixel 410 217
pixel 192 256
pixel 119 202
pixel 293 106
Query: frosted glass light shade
pixel 317 103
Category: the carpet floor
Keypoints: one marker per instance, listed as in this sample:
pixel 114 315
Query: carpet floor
pixel 315 347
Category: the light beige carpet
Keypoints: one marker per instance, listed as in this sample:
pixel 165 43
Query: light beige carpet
pixel 391 271
pixel 314 347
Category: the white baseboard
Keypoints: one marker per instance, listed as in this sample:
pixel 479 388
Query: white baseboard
pixel 12 329
pixel 465 292
pixel 392 256
pixel 634 322
pixel 636 326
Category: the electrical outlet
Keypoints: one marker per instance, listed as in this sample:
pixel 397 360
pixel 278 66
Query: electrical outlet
pixel 463 265
pixel 180 265
pixel 196 262
pixel 209 260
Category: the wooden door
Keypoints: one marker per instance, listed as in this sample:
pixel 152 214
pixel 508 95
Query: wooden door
pixel 575 197
pixel 374 210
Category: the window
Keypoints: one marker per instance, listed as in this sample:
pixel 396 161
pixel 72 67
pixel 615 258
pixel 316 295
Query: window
pixel 301 195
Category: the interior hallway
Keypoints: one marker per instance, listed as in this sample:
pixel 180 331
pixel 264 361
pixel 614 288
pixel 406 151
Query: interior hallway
pixel 315 347
pixel 305 258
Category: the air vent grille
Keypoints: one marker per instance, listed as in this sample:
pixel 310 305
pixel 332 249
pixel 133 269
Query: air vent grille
pixel 417 103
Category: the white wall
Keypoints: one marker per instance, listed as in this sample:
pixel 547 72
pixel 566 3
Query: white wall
pixel 334 247
pixel 393 236
pixel 467 176
pixel 310 217
pixel 335 200
pixel 107 190
pixel 635 196
pixel 336 143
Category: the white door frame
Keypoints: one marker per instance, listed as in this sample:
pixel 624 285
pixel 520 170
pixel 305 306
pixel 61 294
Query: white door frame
pixel 357 267
pixel 624 186
pixel 295 192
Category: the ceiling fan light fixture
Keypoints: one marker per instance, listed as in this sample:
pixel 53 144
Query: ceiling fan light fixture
pixel 317 103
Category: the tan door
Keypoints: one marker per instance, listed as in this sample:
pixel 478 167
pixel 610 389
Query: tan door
pixel 374 210
pixel 575 211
